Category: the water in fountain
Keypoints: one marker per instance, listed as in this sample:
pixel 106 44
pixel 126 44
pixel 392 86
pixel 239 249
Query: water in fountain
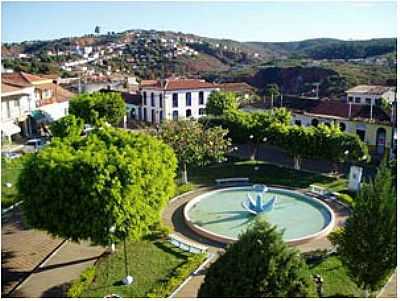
pixel 257 206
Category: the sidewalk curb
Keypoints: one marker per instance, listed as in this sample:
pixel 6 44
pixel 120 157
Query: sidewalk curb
pixel 177 290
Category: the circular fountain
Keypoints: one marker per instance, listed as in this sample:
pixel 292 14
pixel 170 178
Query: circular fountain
pixel 221 215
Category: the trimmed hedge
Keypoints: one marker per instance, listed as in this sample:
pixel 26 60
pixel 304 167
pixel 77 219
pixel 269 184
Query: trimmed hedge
pixel 81 284
pixel 168 285
pixel 345 198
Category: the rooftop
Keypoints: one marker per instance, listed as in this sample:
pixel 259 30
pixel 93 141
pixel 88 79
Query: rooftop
pixel 329 108
pixel 177 84
pixel 369 89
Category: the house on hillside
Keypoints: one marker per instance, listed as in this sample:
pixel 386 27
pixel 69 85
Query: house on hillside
pixel 173 99
pixel 47 101
pixel 242 89
pixel 367 94
pixel 374 127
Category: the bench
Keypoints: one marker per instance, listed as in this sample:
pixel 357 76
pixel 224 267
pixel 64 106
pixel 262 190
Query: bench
pixel 185 245
pixel 231 180
pixel 319 190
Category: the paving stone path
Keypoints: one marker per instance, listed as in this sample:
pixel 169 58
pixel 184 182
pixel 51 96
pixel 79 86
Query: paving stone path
pixel 36 265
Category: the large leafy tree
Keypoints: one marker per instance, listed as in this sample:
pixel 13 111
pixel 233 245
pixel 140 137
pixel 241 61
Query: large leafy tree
pixel 367 244
pixel 259 265
pixel 82 188
pixel 220 102
pixel 68 126
pixel 92 107
pixel 193 144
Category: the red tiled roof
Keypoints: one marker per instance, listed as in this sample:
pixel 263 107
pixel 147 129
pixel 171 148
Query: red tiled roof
pixel 340 109
pixel 21 79
pixel 131 98
pixel 178 84
pixel 59 94
pixel 6 88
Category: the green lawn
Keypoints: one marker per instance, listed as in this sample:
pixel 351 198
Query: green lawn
pixel 149 263
pixel 266 173
pixel 10 170
pixel 337 282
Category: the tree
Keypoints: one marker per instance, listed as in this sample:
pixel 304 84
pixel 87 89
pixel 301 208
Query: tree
pixel 67 126
pixel 193 144
pixel 92 107
pixel 220 102
pixel 367 244
pixel 272 90
pixel 259 265
pixel 81 188
pixel 97 29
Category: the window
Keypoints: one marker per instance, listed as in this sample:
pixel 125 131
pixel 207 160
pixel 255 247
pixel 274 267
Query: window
pixel 145 98
pixel 297 122
pixel 361 134
pixel 160 99
pixel 152 99
pixel 368 100
pixel 314 122
pixel 350 98
pixel 201 98
pixel 161 116
pixel 327 123
pixel 188 99
pixel 144 114
pixel 188 112
pixel 153 116
pixel 175 100
pixel 202 111
pixel 357 99
pixel 342 126
pixel 175 115
pixel 16 103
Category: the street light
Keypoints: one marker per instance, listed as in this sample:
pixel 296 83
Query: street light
pixel 319 281
pixel 264 139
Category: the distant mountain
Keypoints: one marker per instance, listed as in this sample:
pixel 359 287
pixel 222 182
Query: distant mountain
pixel 330 48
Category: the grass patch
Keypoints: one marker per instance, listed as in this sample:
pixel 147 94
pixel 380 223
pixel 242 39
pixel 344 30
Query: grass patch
pixel 150 264
pixel 265 173
pixel 10 170
pixel 337 282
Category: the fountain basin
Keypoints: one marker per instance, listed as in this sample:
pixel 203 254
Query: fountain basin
pixel 219 215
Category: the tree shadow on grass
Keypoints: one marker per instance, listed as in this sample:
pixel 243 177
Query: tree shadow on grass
pixel 171 250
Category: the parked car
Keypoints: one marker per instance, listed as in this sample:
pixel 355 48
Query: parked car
pixel 10 155
pixel 33 145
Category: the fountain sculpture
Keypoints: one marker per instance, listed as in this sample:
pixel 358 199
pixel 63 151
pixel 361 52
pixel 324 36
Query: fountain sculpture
pixel 257 206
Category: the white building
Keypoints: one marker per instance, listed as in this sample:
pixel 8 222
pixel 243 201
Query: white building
pixel 367 94
pixel 17 103
pixel 174 99
pixel 31 101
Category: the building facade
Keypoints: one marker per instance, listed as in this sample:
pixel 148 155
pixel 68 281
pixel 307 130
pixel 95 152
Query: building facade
pixel 370 95
pixel 173 99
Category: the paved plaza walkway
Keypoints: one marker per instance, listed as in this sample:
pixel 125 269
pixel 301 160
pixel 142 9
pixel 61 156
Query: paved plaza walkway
pixel 36 265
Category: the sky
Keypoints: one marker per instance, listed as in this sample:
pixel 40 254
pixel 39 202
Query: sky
pixel 242 21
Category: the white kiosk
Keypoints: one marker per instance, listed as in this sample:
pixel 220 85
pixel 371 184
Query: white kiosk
pixel 355 177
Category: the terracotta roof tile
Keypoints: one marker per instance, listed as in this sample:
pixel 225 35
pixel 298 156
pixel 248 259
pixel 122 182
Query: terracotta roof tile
pixel 177 84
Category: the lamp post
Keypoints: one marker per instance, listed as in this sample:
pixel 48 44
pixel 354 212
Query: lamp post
pixel 319 281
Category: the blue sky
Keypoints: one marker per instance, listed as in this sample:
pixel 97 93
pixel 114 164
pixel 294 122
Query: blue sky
pixel 250 21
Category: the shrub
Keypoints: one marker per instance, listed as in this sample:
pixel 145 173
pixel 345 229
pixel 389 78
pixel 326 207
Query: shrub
pixel 345 198
pixel 168 285
pixel 81 284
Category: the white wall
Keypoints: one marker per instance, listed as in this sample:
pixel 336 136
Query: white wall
pixel 389 95
pixel 20 103
pixel 56 110
pixel 167 109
